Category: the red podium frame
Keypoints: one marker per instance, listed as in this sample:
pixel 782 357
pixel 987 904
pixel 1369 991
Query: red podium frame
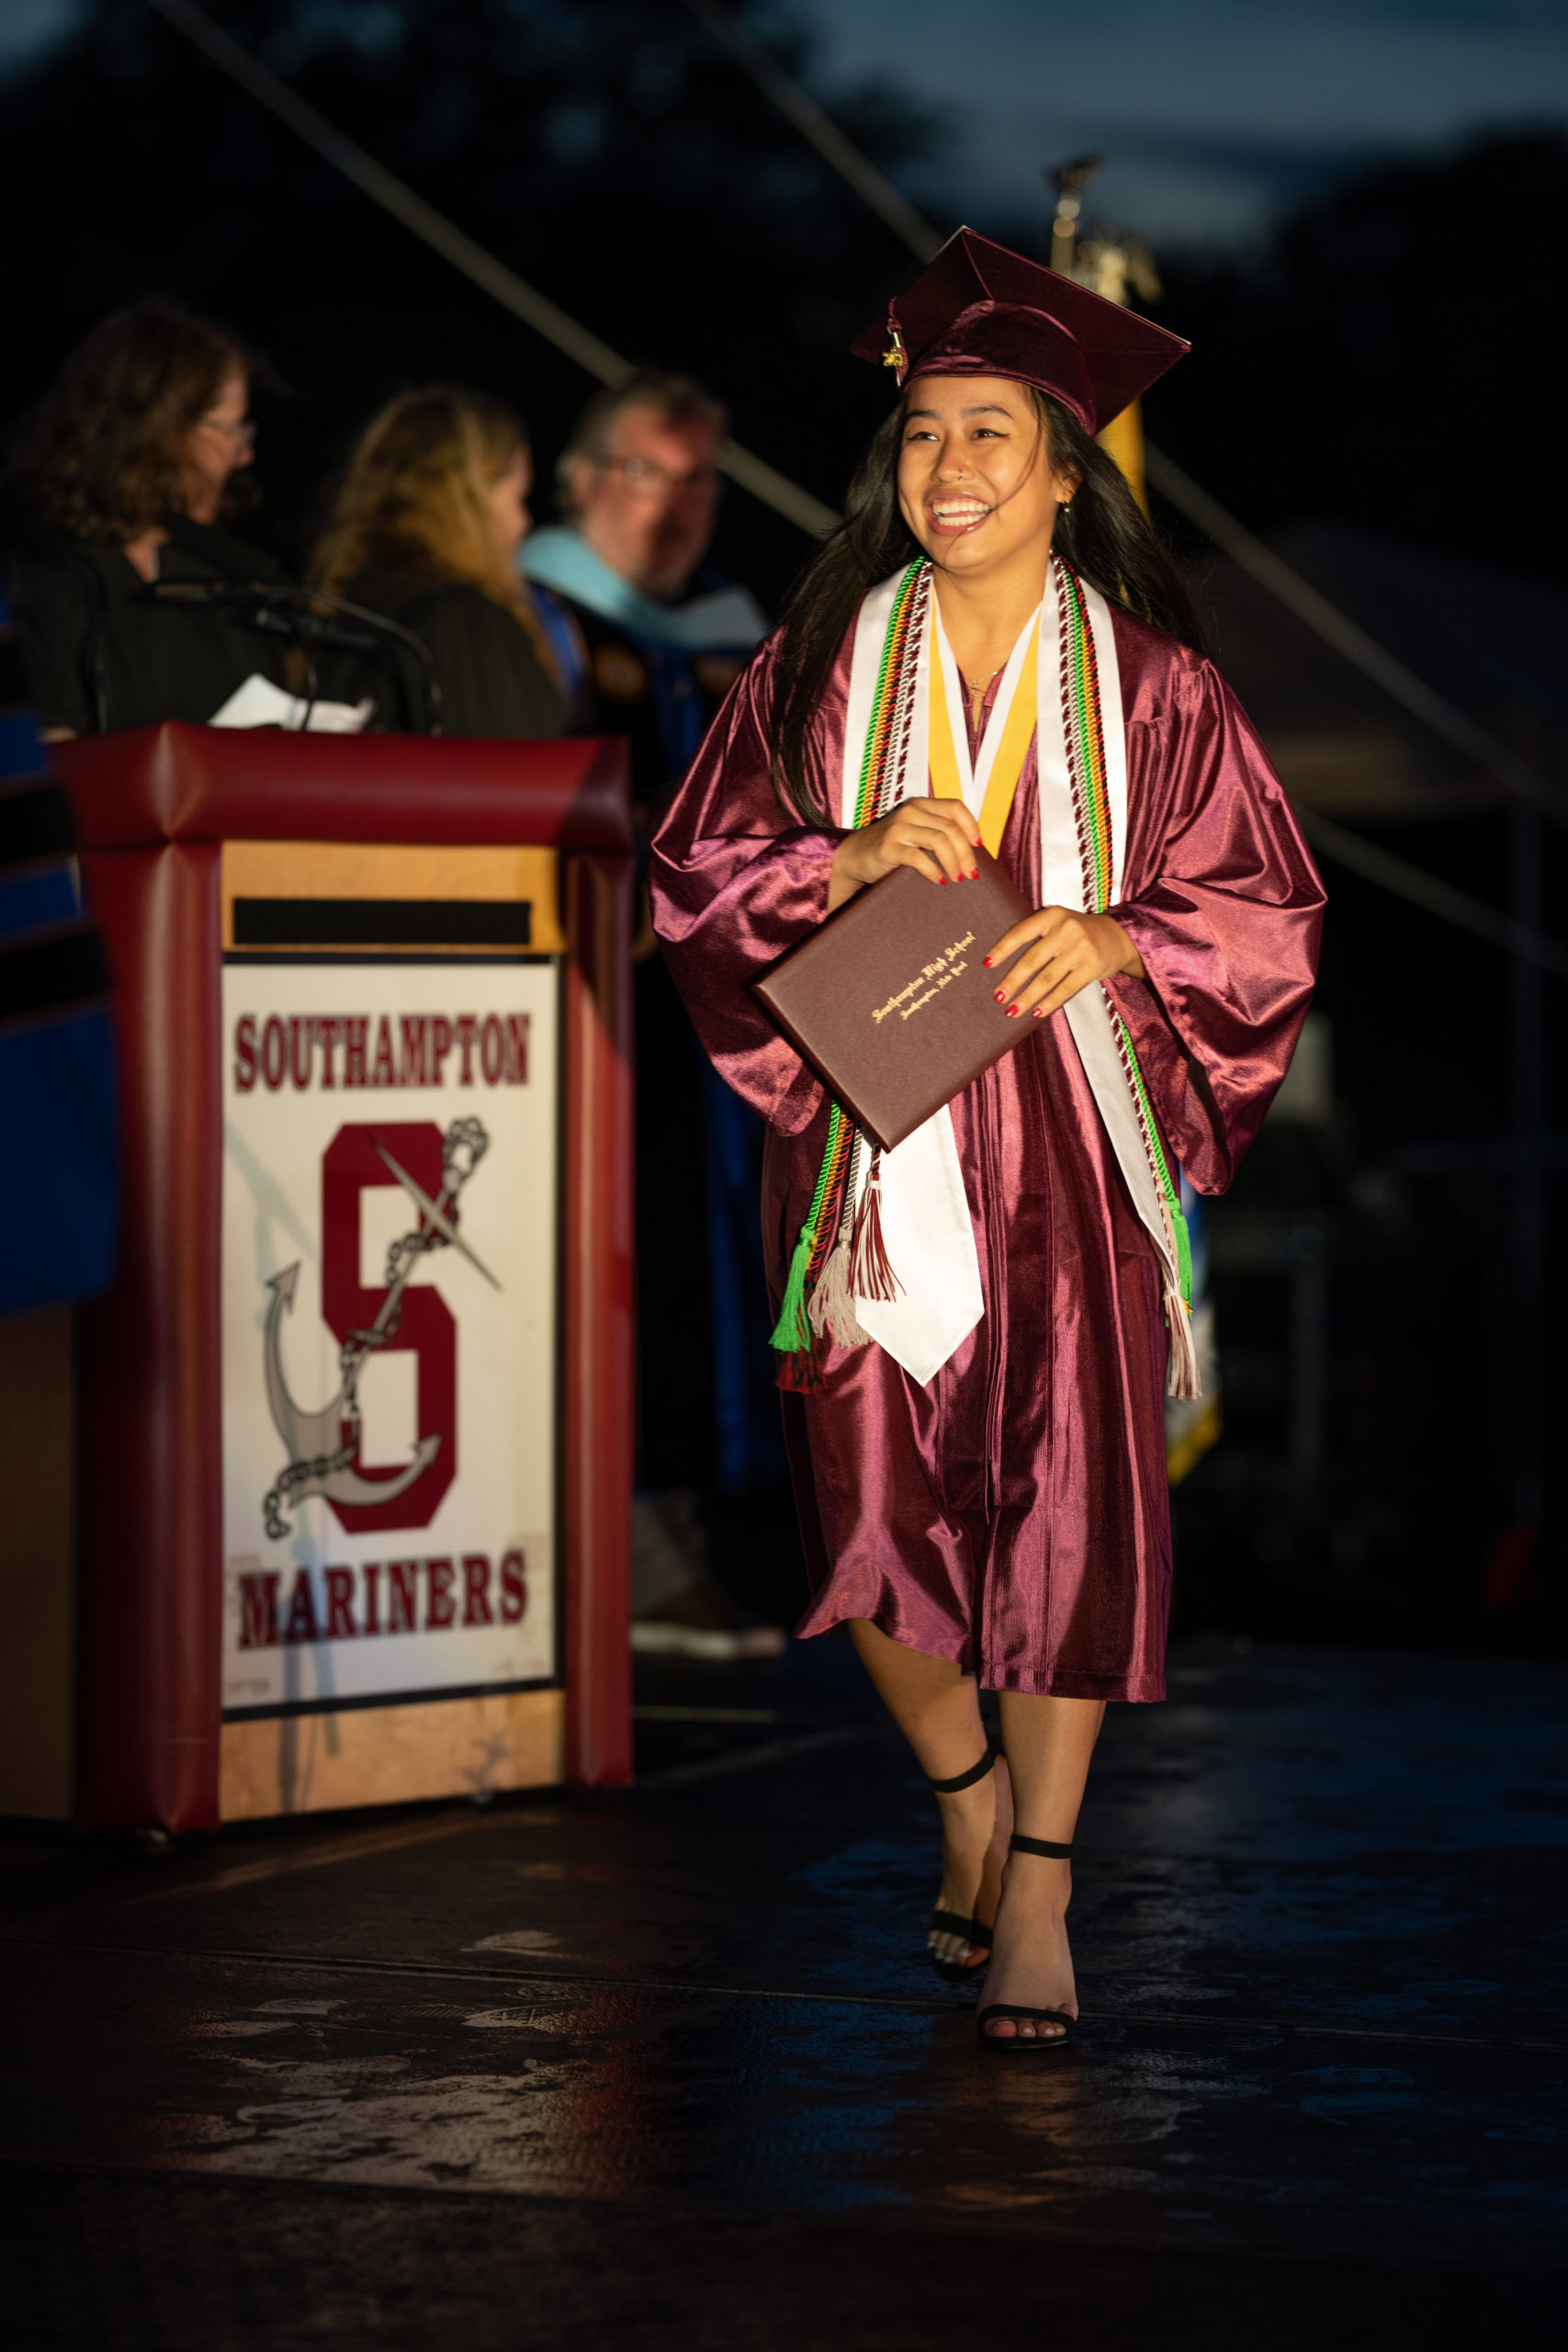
pixel 154 807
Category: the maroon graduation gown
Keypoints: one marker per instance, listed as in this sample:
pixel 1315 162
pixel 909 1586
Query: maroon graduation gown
pixel 1012 1515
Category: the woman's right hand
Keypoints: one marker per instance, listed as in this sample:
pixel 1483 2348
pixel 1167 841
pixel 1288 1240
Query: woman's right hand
pixel 936 837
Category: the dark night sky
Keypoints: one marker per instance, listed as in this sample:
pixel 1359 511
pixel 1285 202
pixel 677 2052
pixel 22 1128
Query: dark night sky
pixel 1214 115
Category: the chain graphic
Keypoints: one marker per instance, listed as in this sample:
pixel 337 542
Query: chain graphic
pixel 323 1448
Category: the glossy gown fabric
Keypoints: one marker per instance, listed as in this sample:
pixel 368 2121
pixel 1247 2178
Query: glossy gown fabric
pixel 1012 1515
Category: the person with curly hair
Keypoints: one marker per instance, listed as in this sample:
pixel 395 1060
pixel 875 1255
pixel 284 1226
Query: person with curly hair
pixel 124 477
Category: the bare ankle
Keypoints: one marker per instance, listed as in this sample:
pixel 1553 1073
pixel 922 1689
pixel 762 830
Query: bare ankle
pixel 1039 1894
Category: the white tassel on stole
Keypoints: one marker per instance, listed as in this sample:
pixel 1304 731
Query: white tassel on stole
pixel 831 1304
pixel 1182 1378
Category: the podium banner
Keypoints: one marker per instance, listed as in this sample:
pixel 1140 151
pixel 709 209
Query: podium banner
pixel 391 1240
pixel 355 1420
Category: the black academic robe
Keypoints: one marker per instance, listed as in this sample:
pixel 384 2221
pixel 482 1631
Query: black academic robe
pixel 101 651
pixel 491 679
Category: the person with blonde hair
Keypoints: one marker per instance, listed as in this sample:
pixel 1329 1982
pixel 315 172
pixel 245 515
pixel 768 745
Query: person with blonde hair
pixel 424 529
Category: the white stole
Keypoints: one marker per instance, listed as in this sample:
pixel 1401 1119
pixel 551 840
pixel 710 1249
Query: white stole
pixel 926 1224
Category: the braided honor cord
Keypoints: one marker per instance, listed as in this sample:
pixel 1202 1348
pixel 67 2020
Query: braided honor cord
pixel 1085 733
pixel 881 783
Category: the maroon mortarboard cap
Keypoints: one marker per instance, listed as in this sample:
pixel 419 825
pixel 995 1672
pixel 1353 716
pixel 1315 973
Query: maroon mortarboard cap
pixel 978 310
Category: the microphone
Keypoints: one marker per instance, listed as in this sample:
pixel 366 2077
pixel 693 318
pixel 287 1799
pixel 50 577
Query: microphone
pixel 284 608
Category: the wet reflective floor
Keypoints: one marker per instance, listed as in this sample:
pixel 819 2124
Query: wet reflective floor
pixel 670 2066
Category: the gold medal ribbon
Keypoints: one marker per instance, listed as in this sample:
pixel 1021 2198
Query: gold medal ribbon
pixel 1018 730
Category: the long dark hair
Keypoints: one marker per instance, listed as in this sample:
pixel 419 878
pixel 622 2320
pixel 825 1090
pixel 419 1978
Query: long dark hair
pixel 1103 534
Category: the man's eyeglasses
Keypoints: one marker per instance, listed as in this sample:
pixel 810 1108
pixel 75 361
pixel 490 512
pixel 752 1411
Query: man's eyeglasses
pixel 652 479
pixel 241 435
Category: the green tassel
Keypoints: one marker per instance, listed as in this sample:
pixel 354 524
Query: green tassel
pixel 1183 1254
pixel 792 1329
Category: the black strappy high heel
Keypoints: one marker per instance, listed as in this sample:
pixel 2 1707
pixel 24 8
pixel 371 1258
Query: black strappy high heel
pixel 951 1923
pixel 1031 2042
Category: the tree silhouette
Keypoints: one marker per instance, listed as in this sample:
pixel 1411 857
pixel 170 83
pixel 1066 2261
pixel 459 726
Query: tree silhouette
pixel 1366 365
pixel 610 153
pixel 1392 358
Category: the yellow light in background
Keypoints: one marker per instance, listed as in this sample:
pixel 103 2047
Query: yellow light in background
pixel 1186 1447
pixel 1122 440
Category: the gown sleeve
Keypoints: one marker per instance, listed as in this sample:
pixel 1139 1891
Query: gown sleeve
pixel 736 879
pixel 1225 905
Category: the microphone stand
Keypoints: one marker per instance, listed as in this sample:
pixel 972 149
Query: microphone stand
pixel 285 608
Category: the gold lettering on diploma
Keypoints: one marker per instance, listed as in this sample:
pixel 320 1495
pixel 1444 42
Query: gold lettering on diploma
pixel 929 981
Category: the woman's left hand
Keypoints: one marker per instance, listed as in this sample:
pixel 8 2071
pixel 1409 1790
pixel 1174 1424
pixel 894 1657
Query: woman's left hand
pixel 1061 953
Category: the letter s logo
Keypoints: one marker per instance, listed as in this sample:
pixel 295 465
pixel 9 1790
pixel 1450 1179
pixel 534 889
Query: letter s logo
pixel 351 1167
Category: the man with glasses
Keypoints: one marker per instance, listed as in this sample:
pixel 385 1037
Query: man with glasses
pixel 648 642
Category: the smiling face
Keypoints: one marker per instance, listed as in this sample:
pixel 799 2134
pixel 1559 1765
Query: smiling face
pixel 975 482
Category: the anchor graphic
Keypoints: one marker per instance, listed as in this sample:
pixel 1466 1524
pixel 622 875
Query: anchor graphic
pixel 323 1447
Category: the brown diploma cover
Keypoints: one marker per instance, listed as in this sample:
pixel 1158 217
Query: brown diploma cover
pixel 890 1000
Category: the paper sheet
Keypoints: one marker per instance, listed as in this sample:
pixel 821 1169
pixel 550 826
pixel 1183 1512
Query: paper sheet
pixel 258 703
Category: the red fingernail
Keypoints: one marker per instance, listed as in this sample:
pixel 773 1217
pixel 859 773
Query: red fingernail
pixel 974 874
pixel 1040 1012
pixel 1013 1012
pixel 987 963
pixel 942 877
pixel 1001 996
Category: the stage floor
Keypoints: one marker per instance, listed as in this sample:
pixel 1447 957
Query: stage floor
pixel 670 2066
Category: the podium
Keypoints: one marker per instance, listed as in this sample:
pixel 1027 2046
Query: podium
pixel 353 1440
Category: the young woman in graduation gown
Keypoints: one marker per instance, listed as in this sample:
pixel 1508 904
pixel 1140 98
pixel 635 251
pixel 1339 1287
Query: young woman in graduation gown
pixel 979 1328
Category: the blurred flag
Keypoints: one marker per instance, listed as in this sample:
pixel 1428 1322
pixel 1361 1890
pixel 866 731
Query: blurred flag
pixel 1192 1423
pixel 58 1173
